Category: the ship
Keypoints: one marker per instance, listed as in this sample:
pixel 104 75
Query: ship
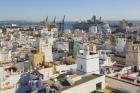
pixel 103 27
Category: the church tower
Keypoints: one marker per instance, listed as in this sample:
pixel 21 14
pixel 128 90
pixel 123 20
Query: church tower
pixel 87 61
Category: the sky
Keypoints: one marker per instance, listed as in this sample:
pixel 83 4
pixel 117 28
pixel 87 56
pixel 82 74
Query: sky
pixel 37 10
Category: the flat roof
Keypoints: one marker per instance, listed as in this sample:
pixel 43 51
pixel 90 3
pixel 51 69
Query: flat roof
pixel 82 80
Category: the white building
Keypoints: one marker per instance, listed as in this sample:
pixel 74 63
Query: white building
pixel 105 60
pixel 87 84
pixel 0 31
pixel 123 24
pixel 93 30
pixel 13 25
pixel 125 80
pixel 5 56
pixel 87 62
pixel 47 72
pixel 104 28
pixel 67 31
pixel 46 48
pixel 61 45
pixel 119 49
pixel 133 32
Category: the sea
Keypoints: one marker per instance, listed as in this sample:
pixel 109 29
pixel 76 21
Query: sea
pixel 68 25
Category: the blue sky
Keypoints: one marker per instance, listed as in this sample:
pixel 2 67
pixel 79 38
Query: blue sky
pixel 37 10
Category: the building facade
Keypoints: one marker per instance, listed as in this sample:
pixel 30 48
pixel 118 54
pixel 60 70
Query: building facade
pixel 120 47
pixel 133 54
pixel 87 62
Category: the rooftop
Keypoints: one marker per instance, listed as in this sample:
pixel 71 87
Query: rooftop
pixel 127 76
pixel 83 80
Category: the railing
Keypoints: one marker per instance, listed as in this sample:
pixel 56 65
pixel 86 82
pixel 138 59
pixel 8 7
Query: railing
pixel 125 80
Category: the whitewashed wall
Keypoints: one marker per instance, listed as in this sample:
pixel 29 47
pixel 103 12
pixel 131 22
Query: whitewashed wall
pixel 122 85
pixel 47 72
pixel 65 67
pixel 87 87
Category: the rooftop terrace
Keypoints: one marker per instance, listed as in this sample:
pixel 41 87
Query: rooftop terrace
pixel 82 80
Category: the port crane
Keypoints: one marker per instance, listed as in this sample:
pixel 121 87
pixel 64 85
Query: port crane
pixel 46 22
pixel 54 21
pixel 61 26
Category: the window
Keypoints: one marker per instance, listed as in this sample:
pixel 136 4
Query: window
pixel 99 86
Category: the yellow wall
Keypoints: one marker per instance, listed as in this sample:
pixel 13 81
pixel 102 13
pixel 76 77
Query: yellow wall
pixel 37 59
pixel 93 48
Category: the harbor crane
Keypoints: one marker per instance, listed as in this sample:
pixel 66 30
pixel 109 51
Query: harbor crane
pixel 46 22
pixel 61 26
pixel 54 21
